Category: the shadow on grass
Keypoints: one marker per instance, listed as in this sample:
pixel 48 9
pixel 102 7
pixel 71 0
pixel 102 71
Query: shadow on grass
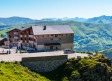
pixel 58 74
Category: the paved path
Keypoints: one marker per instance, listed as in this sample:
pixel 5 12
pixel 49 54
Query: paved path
pixel 18 56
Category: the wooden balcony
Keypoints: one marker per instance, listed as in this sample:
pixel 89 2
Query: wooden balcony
pixel 31 41
pixel 21 35
pixel 15 37
pixel 31 36
pixel 15 32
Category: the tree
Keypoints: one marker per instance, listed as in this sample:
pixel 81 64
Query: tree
pixel 2 36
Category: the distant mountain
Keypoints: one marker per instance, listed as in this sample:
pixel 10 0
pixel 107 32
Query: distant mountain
pixel 107 52
pixel 65 19
pixel 87 36
pixel 16 21
pixel 101 19
pixel 22 20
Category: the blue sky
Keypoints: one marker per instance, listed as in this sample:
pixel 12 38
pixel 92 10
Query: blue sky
pixel 38 9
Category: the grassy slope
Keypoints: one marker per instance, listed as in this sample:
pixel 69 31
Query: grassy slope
pixel 12 71
pixel 107 52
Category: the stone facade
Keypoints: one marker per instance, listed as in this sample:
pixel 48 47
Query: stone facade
pixel 65 41
pixel 44 64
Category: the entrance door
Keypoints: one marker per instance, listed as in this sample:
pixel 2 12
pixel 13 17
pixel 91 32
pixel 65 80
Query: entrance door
pixel 51 47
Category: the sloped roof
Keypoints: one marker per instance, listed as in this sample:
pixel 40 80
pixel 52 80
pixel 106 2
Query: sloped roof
pixel 23 28
pixel 55 29
pixel 1 39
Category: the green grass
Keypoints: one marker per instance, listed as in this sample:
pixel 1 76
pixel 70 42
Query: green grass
pixel 14 71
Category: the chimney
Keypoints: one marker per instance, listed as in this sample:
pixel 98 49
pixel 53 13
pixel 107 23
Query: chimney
pixel 44 27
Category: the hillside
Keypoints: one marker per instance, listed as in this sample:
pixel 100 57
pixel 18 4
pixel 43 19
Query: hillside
pixel 16 21
pixel 107 52
pixel 86 69
pixel 13 71
pixel 87 36
pixel 101 19
pixel 22 20
pixel 65 19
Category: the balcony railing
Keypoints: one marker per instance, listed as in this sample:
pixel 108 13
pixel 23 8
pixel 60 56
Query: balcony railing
pixel 15 32
pixel 56 39
pixel 31 36
pixel 20 35
pixel 31 41
pixel 15 37
pixel 25 36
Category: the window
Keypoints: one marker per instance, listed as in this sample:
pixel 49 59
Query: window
pixel 56 35
pixel 59 38
pixel 64 34
pixel 27 40
pixel 51 35
pixel 71 34
pixel 29 32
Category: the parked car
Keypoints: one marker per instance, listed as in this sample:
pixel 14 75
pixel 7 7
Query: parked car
pixel 68 51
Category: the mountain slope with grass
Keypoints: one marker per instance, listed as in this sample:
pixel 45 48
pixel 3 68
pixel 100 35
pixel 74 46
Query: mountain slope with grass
pixel 87 36
pixel 101 19
pixel 97 68
pixel 107 52
pixel 16 21
pixel 22 20
pixel 13 71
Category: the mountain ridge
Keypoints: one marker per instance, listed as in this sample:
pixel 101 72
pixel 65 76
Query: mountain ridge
pixel 15 20
pixel 88 36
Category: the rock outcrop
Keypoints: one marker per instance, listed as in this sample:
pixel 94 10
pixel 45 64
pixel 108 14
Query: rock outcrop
pixel 97 68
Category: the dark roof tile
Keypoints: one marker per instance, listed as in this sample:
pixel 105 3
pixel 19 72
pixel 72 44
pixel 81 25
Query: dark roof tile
pixel 55 29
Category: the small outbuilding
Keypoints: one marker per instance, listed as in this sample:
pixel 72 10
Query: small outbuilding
pixel 2 41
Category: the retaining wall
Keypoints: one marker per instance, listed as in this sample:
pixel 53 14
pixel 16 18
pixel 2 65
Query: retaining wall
pixel 44 64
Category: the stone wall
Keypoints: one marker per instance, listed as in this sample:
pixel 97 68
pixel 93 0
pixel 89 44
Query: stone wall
pixel 44 64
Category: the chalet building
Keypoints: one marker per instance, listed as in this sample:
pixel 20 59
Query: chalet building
pixel 41 38
pixel 13 36
pixel 2 41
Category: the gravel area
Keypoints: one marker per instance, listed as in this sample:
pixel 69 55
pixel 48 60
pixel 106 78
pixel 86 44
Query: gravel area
pixel 18 57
